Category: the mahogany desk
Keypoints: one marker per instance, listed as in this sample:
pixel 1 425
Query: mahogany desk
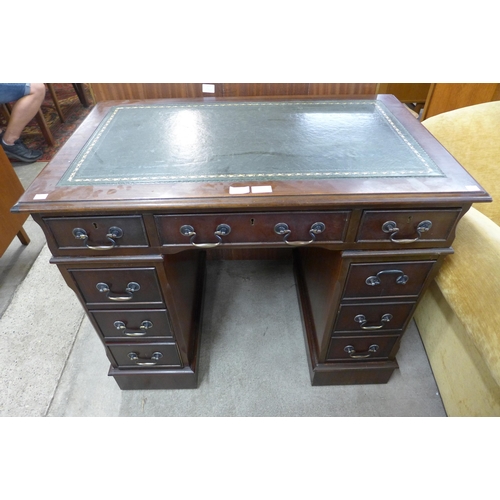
pixel 356 191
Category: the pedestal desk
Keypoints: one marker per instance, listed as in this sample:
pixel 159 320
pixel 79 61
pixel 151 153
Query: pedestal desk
pixel 356 191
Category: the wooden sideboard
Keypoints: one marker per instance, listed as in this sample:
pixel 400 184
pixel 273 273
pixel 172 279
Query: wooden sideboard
pixel 112 91
pixel 445 97
pixel 356 192
pixel 11 225
pixel 434 98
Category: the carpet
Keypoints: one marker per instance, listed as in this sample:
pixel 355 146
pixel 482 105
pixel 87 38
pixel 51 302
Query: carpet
pixel 37 332
pixel 73 111
pixel 252 357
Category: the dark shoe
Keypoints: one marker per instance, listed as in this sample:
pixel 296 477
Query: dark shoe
pixel 18 151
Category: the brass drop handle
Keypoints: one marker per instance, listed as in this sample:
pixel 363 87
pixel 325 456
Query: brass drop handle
pixel 392 228
pixel 349 349
pixel 221 230
pixel 375 280
pixel 155 357
pixel 283 230
pixel 131 288
pixel 113 234
pixel 145 325
pixel 360 318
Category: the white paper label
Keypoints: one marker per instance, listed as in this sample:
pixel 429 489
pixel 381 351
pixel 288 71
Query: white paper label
pixel 262 189
pixel 40 196
pixel 208 88
pixel 239 190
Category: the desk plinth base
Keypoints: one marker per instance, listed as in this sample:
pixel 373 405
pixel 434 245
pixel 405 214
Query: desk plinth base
pixel 374 372
pixel 134 379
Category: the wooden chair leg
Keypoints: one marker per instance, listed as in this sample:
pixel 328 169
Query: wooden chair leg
pixel 56 100
pixel 23 237
pixel 6 112
pixel 47 134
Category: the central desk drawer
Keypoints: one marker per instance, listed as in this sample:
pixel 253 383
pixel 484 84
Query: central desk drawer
pixel 118 286
pixel 293 227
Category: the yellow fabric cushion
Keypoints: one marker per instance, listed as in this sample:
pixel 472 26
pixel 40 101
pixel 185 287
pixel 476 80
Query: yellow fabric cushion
pixel 464 380
pixel 470 281
pixel 472 136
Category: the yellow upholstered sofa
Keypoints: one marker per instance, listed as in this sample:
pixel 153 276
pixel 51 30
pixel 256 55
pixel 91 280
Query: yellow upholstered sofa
pixel 459 316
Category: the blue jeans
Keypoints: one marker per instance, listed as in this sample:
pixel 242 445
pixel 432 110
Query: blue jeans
pixel 10 92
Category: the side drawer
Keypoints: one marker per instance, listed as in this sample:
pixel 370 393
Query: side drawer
pixel 373 318
pixel 137 324
pixel 159 355
pixel 361 348
pixel 98 233
pixel 406 227
pixel 252 228
pixel 118 286
pixel 386 279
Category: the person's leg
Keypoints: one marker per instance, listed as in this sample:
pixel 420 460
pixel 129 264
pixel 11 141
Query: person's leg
pixel 22 112
pixel 24 109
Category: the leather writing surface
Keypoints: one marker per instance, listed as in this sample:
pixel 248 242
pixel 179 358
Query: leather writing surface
pixel 248 141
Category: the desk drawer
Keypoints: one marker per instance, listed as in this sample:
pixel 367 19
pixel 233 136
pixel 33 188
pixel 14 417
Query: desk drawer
pixel 361 348
pixel 147 356
pixel 137 324
pixel 373 318
pixel 118 286
pixel 98 233
pixel 252 228
pixel 405 227
pixel 401 279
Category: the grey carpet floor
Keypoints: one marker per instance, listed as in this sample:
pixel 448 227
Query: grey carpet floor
pixel 252 363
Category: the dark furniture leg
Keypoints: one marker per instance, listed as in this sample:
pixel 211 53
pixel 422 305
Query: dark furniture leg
pixel 23 237
pixel 80 92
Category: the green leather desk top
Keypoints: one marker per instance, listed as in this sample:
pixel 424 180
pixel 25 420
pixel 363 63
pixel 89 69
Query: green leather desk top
pixel 248 141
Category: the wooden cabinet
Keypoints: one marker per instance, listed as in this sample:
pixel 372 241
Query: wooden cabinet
pixel 416 93
pixel 109 91
pixel 366 233
pixel 11 189
pixel 445 97
pixel 427 99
